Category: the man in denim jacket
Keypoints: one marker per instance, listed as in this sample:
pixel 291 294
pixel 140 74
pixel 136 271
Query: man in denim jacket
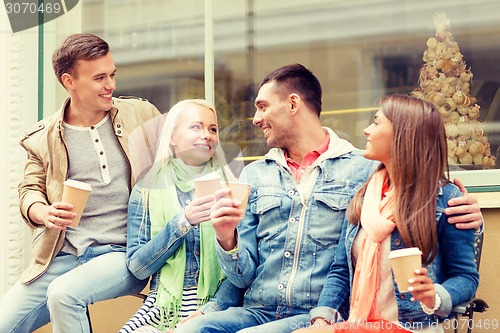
pixel 282 249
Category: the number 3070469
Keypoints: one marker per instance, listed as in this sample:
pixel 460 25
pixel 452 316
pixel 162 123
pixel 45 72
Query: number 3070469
pixel 464 323
pixel 32 7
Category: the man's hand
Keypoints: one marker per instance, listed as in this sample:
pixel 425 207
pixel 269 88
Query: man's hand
pixel 225 216
pixel 56 216
pixel 470 214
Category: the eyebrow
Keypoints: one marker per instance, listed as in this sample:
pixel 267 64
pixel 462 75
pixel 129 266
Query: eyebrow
pixel 100 74
pixel 201 122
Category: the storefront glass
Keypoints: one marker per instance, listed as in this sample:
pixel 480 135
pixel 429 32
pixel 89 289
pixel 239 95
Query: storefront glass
pixel 360 50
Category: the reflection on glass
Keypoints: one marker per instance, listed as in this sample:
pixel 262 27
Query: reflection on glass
pixel 360 50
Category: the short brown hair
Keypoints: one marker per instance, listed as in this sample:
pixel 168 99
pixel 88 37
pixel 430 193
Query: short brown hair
pixel 296 78
pixel 76 47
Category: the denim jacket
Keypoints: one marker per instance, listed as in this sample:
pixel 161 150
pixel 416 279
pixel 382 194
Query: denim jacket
pixel 290 230
pixel 453 270
pixel 146 255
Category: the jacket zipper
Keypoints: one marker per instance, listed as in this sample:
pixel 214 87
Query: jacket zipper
pixel 296 255
pixel 300 235
pixel 66 150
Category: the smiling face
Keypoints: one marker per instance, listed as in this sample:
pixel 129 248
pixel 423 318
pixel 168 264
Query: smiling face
pixel 195 136
pixel 273 116
pixel 379 139
pixel 92 84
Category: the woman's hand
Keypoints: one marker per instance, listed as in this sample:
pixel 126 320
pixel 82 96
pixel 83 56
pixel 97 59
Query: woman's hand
pixel 422 288
pixel 318 326
pixel 198 210
pixel 196 313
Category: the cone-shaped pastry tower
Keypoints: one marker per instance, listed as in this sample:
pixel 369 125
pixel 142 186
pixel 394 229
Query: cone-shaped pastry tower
pixel 445 81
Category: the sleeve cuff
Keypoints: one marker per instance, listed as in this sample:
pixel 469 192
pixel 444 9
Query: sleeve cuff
pixel 444 309
pixel 326 313
pixel 182 223
pixel 234 251
pixel 210 307
pixel 25 207
pixel 437 304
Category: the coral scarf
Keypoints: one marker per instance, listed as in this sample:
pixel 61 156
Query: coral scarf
pixel 378 221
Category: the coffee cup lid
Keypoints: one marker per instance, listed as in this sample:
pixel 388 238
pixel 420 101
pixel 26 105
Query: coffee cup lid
pixel 404 252
pixel 208 176
pixel 78 184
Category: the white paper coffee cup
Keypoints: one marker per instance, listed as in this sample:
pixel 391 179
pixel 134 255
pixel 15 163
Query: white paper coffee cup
pixel 404 262
pixel 207 184
pixel 239 191
pixel 77 194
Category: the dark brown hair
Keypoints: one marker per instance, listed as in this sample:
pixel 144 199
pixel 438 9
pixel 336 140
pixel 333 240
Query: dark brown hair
pixel 77 47
pixel 297 79
pixel 419 161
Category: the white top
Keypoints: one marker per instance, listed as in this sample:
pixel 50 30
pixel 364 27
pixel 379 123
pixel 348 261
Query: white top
pixel 78 185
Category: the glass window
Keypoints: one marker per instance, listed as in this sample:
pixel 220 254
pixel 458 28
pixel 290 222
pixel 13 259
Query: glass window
pixel 157 46
pixel 360 51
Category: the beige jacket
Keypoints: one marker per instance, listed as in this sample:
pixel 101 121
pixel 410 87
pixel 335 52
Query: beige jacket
pixel 47 168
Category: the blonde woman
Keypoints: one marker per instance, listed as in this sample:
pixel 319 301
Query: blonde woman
pixel 167 234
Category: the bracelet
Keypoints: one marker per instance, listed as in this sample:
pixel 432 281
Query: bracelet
pixel 437 304
pixel 313 320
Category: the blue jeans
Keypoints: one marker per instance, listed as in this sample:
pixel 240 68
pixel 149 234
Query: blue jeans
pixel 246 320
pixel 62 294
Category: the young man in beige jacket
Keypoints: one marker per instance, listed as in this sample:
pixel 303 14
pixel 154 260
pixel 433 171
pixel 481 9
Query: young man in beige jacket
pixel 86 140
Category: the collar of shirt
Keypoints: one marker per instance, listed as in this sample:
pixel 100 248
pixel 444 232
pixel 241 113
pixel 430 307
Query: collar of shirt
pixel 297 169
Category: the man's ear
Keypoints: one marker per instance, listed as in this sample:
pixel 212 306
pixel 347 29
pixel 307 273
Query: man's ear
pixel 67 81
pixel 294 101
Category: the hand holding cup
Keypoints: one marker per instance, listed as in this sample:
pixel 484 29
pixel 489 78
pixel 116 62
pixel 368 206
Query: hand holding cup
pixel 404 262
pixel 228 210
pixel 76 193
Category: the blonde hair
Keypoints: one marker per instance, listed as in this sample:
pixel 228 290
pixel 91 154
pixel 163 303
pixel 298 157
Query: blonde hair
pixel 419 161
pixel 165 153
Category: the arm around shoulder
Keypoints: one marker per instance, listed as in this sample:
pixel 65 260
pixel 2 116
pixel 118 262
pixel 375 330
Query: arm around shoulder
pixel 457 265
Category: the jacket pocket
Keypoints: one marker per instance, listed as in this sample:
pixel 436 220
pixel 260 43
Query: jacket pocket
pixel 329 209
pixel 271 202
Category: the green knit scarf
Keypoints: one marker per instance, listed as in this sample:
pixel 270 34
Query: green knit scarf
pixel 163 206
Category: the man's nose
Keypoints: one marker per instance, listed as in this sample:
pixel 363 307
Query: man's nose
pixel 257 119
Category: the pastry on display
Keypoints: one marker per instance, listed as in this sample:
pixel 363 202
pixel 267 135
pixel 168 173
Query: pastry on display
pixel 445 81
